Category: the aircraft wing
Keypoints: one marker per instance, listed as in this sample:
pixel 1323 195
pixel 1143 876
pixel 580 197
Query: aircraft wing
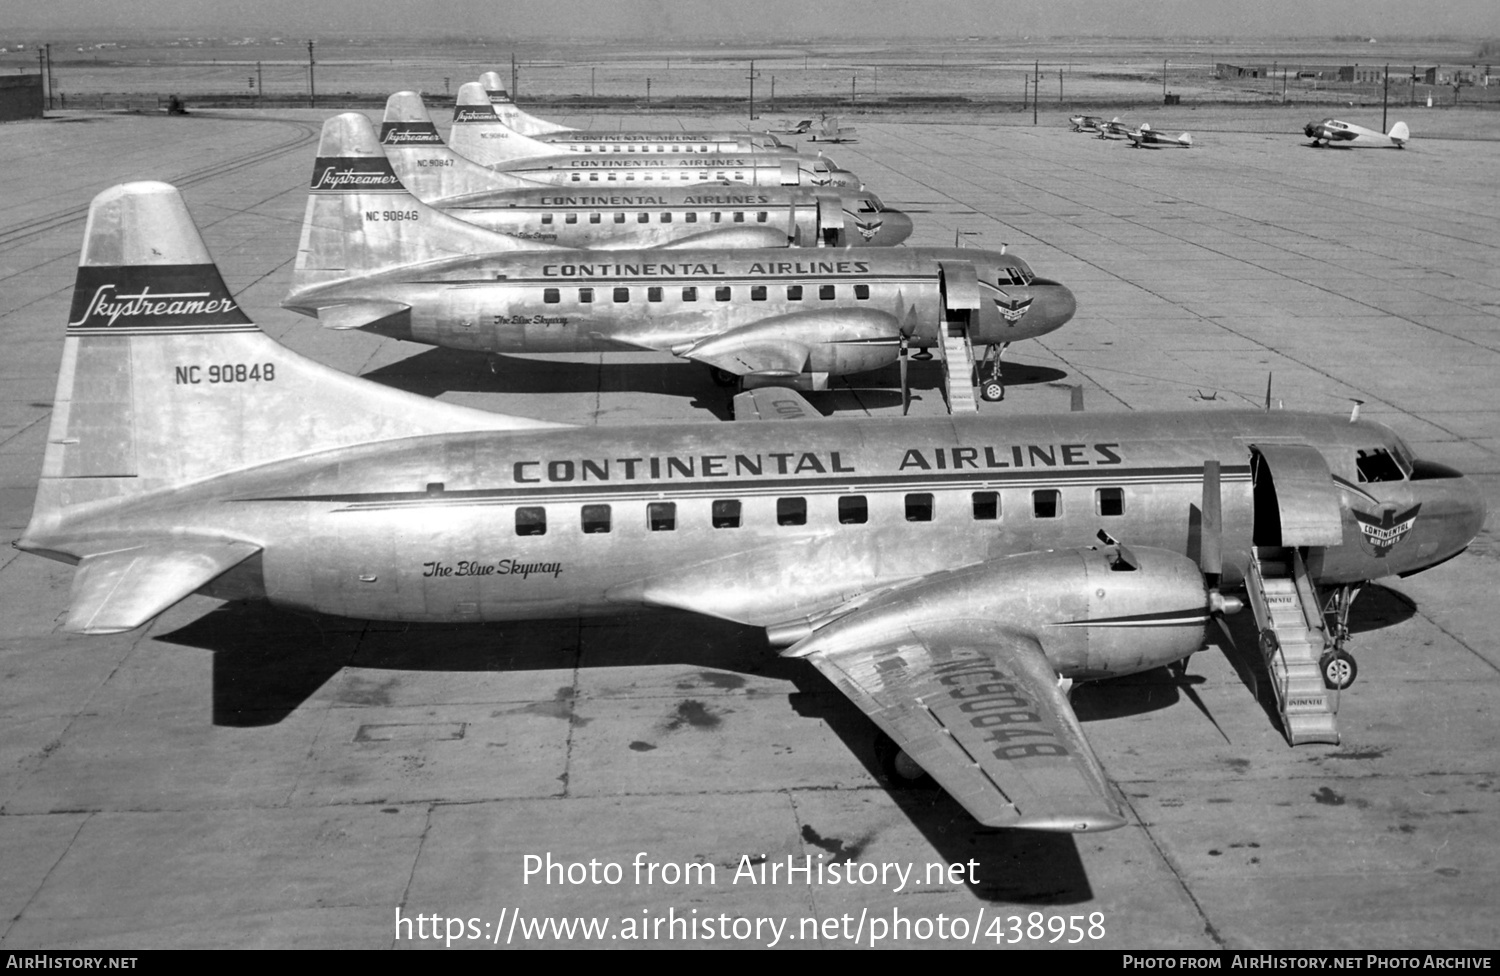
pixel 983 714
pixel 118 591
pixel 773 403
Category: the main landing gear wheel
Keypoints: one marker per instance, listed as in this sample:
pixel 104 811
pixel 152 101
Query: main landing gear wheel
pixel 723 377
pixel 992 390
pixel 1339 669
pixel 899 769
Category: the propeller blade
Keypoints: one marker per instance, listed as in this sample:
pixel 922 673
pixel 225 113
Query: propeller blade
pixel 905 386
pixel 1268 390
pixel 1211 544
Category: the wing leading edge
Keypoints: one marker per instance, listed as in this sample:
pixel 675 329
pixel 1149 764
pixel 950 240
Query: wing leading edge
pixel 982 712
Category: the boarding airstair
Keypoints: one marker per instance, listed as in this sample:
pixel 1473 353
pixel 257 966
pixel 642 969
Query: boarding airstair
pixel 1293 639
pixel 958 367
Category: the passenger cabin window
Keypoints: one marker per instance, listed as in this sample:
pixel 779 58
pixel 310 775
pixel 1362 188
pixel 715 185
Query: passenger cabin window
pixel 791 511
pixel 721 293
pixel 653 294
pixel 666 218
pixel 619 218
pixel 570 219
pixel 986 506
pixel 826 292
pixel 1376 464
pixel 551 296
pixel 690 293
pixel 862 292
pixel 661 516
pixel 1109 501
pixel 726 514
pixel 595 519
pixel 853 510
pixel 919 507
pixel 794 293
pixel 690 217
pixel 595 218
pixel 585 296
pixel 531 521
pixel 715 217
pixel 761 216
pixel 546 218
pixel 757 293
pixel 739 216
pixel 643 218
pixel 1046 503
pixel 622 295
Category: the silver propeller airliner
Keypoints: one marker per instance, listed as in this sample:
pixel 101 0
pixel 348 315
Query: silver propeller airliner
pixel 944 574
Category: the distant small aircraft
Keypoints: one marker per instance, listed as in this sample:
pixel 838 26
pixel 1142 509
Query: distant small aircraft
pixel 1087 123
pixel 829 130
pixel 1148 138
pixel 1114 129
pixel 1332 132
pixel 790 128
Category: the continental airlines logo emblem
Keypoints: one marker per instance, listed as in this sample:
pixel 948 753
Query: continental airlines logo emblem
pixel 170 297
pixel 1012 308
pixel 1382 532
pixel 354 173
pixel 867 231
pixel 409 134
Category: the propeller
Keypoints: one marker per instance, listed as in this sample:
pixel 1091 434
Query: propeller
pixel 1211 562
pixel 905 386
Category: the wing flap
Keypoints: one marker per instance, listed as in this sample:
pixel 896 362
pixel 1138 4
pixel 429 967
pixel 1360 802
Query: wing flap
pixel 984 715
pixel 118 591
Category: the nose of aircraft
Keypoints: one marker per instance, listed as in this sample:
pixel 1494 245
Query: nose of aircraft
pixel 1054 302
pixel 1453 506
pixel 895 227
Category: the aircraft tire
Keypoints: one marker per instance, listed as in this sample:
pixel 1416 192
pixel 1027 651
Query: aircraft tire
pixel 899 769
pixel 992 391
pixel 1339 669
pixel 722 377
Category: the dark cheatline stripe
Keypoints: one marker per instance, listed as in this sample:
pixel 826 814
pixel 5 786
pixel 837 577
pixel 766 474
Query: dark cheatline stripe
pixel 1166 618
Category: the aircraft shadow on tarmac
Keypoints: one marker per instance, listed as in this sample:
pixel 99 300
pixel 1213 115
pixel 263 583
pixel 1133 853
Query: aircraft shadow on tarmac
pixel 438 371
pixel 266 663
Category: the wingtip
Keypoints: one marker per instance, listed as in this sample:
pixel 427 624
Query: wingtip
pixel 1075 822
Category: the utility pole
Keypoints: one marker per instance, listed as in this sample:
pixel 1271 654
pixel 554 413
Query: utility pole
pixel 1025 92
pixel 592 91
pixel 312 88
pixel 752 89
pixel 648 94
pixel 260 84
pixel 1164 81
pixel 1036 81
pixel 1059 86
pixel 1385 101
pixel 515 84
pixel 41 69
pixel 51 85
pixel 773 93
pixel 851 88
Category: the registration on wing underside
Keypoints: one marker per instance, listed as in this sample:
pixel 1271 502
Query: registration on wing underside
pixel 982 713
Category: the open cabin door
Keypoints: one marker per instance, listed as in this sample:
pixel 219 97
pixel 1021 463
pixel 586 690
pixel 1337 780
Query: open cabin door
pixel 830 220
pixel 1296 502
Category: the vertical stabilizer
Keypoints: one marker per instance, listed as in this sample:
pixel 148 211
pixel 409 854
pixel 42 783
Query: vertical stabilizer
pixel 1399 134
pixel 482 135
pixel 165 380
pixel 510 114
pixel 360 218
pixel 425 164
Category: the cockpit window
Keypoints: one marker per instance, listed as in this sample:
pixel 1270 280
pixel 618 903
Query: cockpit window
pixel 870 204
pixel 1013 275
pixel 1378 464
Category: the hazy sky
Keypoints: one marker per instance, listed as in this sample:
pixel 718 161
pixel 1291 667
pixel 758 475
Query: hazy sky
pixel 780 19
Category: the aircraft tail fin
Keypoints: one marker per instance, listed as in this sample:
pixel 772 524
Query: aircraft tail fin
pixel 481 133
pixel 423 161
pixel 1399 133
pixel 361 219
pixel 166 381
pixel 523 122
pixel 1185 139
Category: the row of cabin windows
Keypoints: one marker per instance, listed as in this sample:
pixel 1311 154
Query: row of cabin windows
pixel 726 513
pixel 683 175
pixel 631 148
pixel 722 293
pixel 690 217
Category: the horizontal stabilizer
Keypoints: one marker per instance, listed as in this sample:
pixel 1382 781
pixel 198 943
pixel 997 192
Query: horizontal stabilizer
pixel 357 315
pixel 773 403
pixel 118 591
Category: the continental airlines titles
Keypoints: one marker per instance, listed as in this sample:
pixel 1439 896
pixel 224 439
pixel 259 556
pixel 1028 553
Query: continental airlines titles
pixel 777 268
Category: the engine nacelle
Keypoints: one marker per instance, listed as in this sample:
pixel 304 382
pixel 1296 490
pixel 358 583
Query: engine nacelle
pixel 1097 613
pixel 843 340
